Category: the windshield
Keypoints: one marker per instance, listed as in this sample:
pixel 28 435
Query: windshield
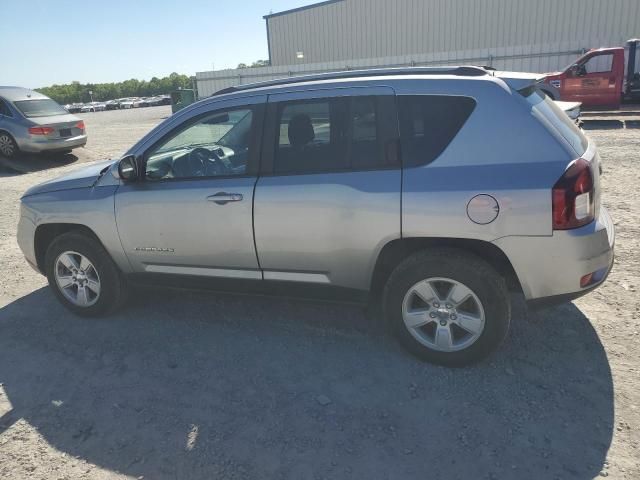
pixel 548 112
pixel 39 108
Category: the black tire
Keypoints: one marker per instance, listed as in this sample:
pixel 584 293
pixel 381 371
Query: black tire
pixel 470 270
pixel 112 284
pixel 11 144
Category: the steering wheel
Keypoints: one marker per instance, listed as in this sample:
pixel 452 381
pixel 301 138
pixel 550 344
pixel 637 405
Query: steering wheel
pixel 211 163
pixel 197 162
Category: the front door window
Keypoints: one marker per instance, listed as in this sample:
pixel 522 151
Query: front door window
pixel 217 145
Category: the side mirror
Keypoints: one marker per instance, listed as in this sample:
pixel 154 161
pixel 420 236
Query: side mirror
pixel 128 169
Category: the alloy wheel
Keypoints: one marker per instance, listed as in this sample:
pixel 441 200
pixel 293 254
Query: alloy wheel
pixel 7 147
pixel 443 314
pixel 77 279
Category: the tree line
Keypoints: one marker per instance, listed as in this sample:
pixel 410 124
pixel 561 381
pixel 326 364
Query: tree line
pixel 76 92
pixel 256 64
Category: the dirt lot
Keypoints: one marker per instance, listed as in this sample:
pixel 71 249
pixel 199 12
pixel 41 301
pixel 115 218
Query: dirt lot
pixel 201 385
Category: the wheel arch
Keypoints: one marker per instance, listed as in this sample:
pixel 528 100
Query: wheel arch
pixel 46 233
pixel 397 250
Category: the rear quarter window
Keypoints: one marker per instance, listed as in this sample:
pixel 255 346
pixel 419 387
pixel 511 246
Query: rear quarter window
pixel 4 109
pixel 429 123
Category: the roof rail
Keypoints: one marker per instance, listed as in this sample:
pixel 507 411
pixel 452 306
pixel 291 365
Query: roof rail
pixel 372 72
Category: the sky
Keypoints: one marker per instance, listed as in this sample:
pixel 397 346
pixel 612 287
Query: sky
pixel 44 42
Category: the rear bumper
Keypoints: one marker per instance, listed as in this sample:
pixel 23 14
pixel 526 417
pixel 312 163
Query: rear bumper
pixel 36 145
pixel 550 268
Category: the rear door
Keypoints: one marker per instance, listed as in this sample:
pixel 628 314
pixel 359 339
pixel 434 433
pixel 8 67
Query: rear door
pixel 328 198
pixel 595 81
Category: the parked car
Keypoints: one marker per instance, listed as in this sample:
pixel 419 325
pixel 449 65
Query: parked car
pixel 436 190
pixel 125 103
pixel 93 107
pixel 111 105
pixel 73 107
pixel 160 100
pixel 139 102
pixel 32 122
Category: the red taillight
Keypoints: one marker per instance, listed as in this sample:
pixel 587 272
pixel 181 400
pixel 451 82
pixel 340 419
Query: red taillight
pixel 40 130
pixel 586 280
pixel 80 125
pixel 573 197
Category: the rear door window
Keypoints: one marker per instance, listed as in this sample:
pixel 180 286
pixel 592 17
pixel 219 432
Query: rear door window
pixel 429 123
pixel 333 134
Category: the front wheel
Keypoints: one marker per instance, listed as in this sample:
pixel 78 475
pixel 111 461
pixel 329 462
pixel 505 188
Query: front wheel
pixel 447 307
pixel 83 276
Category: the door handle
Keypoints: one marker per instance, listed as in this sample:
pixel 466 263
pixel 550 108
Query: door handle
pixel 222 198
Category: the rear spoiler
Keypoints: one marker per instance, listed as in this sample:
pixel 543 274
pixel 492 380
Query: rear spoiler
pixel 572 109
pixel 522 81
pixel 518 80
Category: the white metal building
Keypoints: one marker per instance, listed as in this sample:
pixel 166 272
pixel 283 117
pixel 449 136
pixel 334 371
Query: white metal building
pixel 526 35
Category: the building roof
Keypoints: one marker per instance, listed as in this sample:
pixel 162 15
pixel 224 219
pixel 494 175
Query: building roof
pixel 306 7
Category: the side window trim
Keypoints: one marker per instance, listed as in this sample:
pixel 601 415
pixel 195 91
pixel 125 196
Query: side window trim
pixel 272 128
pixel 258 111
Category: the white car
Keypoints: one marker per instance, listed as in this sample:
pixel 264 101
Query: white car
pixel 93 107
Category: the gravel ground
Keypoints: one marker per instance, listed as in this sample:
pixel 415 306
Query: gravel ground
pixel 202 385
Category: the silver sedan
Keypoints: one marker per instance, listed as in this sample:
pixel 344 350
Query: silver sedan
pixel 32 122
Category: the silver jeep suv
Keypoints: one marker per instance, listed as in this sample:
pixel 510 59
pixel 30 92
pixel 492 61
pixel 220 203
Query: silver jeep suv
pixel 433 190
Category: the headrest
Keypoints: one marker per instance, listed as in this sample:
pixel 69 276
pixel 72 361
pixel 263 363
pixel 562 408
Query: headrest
pixel 301 130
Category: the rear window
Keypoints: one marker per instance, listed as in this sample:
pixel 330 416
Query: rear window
pixel 547 111
pixel 428 124
pixel 39 108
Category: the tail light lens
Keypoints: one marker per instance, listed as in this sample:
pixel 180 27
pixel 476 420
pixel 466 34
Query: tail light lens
pixel 573 197
pixel 80 125
pixel 40 130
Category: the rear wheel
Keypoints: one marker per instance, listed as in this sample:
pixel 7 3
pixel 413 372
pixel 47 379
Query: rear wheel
pixel 447 307
pixel 83 276
pixel 8 146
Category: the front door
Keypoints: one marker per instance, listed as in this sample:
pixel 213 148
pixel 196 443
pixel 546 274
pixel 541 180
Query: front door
pixel 593 81
pixel 192 212
pixel 329 196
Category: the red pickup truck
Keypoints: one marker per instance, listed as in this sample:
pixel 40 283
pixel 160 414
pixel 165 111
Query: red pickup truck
pixel 601 78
